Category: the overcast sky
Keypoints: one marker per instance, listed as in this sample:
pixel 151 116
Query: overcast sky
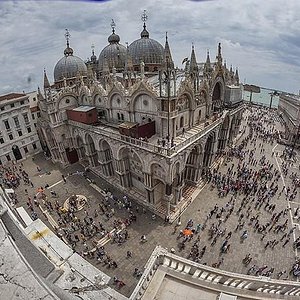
pixel 261 38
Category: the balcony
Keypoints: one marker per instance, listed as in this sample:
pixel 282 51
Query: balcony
pixel 163 264
pixel 152 146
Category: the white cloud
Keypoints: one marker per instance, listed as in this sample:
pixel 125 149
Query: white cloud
pixel 258 37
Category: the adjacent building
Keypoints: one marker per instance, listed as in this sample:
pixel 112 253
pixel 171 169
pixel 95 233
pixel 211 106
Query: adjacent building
pixel 289 109
pixel 18 135
pixel 157 128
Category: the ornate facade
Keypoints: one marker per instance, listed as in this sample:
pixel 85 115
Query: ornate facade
pixel 135 86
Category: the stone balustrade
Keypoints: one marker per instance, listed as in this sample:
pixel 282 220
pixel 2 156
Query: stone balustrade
pixel 248 287
pixel 165 114
pixel 148 146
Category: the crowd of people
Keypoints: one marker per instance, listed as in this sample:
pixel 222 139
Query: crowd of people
pixel 252 184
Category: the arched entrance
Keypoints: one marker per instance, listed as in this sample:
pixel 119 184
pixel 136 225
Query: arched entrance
pixel 80 149
pixel 91 151
pixel 216 105
pixel 192 171
pixel 223 134
pixel 123 168
pixel 232 129
pixel 16 152
pixel 155 187
pixel 209 150
pixel 106 158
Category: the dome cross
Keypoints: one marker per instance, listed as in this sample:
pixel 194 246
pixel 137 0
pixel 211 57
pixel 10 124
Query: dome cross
pixel 67 36
pixel 113 25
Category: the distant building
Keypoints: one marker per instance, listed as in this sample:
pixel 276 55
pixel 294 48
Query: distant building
pixel 289 108
pixel 18 135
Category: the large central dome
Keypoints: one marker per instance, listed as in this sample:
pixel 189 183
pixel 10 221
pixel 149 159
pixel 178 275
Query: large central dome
pixel 113 55
pixel 69 66
pixel 147 50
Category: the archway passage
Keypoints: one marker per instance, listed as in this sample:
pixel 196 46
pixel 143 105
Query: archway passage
pixel 91 151
pixel 72 155
pixel 193 165
pixel 16 152
pixel 223 134
pixel 232 129
pixel 80 149
pixel 208 151
pixel 106 158
pixel 216 98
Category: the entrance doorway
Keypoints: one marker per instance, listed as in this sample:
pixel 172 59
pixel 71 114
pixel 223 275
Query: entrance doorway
pixel 16 152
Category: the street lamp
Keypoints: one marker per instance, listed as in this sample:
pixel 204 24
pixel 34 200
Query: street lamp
pixel 274 93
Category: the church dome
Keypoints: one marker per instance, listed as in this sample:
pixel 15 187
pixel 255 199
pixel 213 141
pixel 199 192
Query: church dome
pixel 114 54
pixel 69 66
pixel 147 50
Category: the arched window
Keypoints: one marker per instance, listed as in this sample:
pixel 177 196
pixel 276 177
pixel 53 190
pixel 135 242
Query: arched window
pixel 199 116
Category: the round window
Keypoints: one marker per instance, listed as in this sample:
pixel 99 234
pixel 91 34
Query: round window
pixel 67 101
pixel 118 100
pixel 145 102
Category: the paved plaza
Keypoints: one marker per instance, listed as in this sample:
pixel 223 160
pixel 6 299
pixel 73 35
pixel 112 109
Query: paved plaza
pixel 44 173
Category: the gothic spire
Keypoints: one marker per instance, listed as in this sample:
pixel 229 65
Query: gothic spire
pixel 237 78
pixel 219 56
pixel 128 61
pixel 167 54
pixel 93 57
pixel 105 66
pixel 46 81
pixel 193 63
pixel 207 59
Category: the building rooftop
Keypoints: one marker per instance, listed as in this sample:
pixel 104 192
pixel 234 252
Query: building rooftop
pixel 83 108
pixel 11 96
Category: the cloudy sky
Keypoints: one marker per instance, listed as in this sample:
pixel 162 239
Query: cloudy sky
pixel 261 38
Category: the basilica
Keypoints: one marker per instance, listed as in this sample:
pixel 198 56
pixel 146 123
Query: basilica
pixel 130 116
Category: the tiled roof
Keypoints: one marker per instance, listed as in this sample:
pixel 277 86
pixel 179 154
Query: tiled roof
pixel 11 96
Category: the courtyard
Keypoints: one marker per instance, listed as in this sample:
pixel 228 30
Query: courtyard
pixel 43 173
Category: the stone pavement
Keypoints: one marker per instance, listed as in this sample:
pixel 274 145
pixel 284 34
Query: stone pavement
pixel 157 232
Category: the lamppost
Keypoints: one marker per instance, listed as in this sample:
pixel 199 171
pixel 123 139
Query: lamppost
pixel 274 93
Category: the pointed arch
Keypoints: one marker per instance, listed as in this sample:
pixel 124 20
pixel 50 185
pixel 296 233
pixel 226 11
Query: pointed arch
pixel 223 133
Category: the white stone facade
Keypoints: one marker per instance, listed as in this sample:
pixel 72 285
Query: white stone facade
pixel 192 125
pixel 18 135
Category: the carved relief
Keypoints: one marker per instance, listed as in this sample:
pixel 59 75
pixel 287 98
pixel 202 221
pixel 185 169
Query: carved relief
pixel 182 102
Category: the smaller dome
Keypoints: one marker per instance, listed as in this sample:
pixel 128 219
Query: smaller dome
pixel 113 55
pixel 68 51
pixel 68 67
pixel 113 38
pixel 144 33
pixel 147 50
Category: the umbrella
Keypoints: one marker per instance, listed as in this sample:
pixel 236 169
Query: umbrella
pixel 187 232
